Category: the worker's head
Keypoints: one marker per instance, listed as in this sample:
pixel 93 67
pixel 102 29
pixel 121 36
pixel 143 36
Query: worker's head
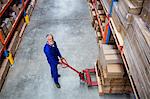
pixel 50 37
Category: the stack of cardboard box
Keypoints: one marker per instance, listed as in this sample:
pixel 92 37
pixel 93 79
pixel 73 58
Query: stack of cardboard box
pixel 111 75
pixel 145 15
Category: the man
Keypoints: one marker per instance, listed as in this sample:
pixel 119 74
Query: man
pixel 52 53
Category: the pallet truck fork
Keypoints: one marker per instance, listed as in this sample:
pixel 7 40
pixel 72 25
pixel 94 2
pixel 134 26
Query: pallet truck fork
pixel 85 75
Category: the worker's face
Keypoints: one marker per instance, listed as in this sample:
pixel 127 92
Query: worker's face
pixel 50 38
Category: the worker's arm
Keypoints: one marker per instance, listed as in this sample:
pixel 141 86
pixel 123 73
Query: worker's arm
pixel 58 52
pixel 49 56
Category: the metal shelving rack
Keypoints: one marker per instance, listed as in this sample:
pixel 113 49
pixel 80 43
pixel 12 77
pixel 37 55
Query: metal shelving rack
pixel 9 44
pixel 111 30
pixel 5 7
pixel 10 34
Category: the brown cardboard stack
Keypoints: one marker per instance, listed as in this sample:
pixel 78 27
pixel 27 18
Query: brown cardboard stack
pixel 111 75
pixel 8 24
pixel 4 29
pixel 109 55
pixel 125 9
pixel 123 12
pixel 137 3
pixel 145 15
pixel 16 9
pixel 137 53
pixel 117 21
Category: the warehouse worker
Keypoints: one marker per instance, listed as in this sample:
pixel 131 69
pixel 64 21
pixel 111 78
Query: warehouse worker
pixel 52 53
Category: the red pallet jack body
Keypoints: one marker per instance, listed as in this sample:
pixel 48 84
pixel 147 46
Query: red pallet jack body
pixel 85 75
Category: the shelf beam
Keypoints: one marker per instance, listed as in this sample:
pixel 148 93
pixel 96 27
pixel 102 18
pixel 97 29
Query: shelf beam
pixel 5 7
pixel 13 28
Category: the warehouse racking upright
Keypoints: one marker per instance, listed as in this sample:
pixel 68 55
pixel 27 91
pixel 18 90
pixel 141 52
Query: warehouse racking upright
pixel 13 20
pixel 108 30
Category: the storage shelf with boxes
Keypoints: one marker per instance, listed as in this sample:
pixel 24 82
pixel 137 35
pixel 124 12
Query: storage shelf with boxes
pixel 11 29
pixel 130 28
pixel 136 37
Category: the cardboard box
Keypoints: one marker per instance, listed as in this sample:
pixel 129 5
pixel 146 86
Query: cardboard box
pixel 15 8
pixel 12 20
pixel 114 58
pixel 8 24
pixel 111 51
pixel 115 70
pixel 5 30
pixel 137 3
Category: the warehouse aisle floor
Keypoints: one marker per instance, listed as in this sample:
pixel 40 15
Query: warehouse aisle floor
pixel 29 77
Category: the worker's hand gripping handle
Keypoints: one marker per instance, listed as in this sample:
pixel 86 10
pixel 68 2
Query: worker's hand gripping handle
pixel 63 62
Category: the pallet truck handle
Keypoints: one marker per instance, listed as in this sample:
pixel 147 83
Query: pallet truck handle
pixel 67 65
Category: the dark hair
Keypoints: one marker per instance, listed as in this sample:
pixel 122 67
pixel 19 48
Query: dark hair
pixel 50 35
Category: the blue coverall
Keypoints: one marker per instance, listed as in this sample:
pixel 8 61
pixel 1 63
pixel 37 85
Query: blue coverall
pixel 52 53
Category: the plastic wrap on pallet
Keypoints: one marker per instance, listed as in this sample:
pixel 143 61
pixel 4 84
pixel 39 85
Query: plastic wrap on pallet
pixel 137 52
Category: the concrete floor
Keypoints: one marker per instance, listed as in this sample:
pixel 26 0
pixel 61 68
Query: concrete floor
pixel 29 77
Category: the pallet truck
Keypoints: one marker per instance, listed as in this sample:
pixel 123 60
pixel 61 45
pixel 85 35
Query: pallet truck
pixel 85 75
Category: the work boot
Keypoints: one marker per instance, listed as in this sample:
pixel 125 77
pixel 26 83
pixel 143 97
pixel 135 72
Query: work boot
pixel 57 85
pixel 59 75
